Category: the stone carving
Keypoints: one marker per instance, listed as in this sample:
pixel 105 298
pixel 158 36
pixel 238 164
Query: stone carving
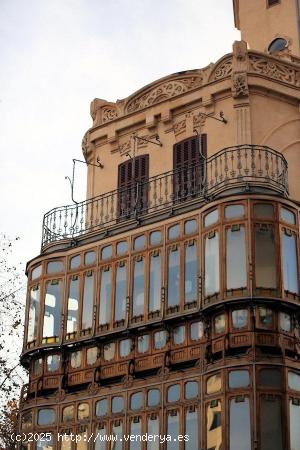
pixel 240 50
pixel 239 85
pixel 273 69
pixel 142 144
pixel 125 147
pixel 109 113
pixel 85 144
pixel 179 127
pixel 164 91
pixel 222 70
pixel 199 120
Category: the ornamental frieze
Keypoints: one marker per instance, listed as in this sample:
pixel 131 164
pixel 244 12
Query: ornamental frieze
pixel 222 70
pixel 273 69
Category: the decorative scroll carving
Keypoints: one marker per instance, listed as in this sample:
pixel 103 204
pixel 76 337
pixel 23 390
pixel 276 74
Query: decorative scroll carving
pixel 273 69
pixel 164 91
pixel 85 144
pixel 125 147
pixel 109 113
pixel 239 85
pixel 179 127
pixel 199 120
pixel 222 70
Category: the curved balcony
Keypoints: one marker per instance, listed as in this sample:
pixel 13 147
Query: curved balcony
pixel 245 168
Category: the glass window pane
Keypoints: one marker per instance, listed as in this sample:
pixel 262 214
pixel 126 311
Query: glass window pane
pixel 138 288
pixel 190 226
pixel 75 262
pixel 285 322
pixel 233 211
pixel 190 273
pixel 37 367
pixel 101 408
pixel 211 218
pixel 143 343
pixel 34 313
pixel 263 211
pixel 236 272
pixel 83 411
pixel 290 263
pixel 125 347
pixel 66 442
pixel 160 339
pixel 265 260
pixel 45 442
pixel 270 424
pixel 139 242
pixel 270 378
pixel 153 430
pixel 173 430
pixel 109 351
pixel 27 421
pixel 155 237
pixel 117 431
pixel 294 381
pixel 105 291
pixel 240 434
pixel 76 358
pixel 265 316
pixel 155 283
pixel 294 425
pixel 106 252
pixel 100 443
pixel 89 258
pixel 68 413
pixel 239 318
pixel 52 316
pixel 287 216
pixel 220 323
pixel 120 292
pixel 136 431
pixel 55 266
pixel 46 416
pixel 36 272
pixel 92 355
pixel 117 404
pixel 191 429
pixel 179 335
pixel 173 277
pixel 238 379
pixel 190 390
pixel 197 331
pixel 136 400
pixel 52 363
pixel 173 232
pixel 121 247
pixel 88 300
pixel 214 426
pixel 214 384
pixel 173 393
pixel 153 397
pixel 212 283
pixel 73 302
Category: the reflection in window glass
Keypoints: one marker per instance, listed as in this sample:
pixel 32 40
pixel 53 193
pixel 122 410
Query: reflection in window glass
pixel 238 379
pixel 125 347
pixel 160 339
pixel 76 359
pixel 45 442
pixel 153 397
pixel 173 277
pixel 173 232
pixel 83 411
pixel 101 408
pixel 240 434
pixel 153 429
pixel 117 404
pixel 287 216
pixel 219 322
pixel 139 242
pixel 190 273
pixel 270 424
pixel 37 367
pixel 109 351
pixel 294 381
pixel 190 226
pixel 236 273
pixel 117 431
pixel 75 262
pixel 265 260
pixel 92 355
pixel 290 263
pixel 190 390
pixel 136 400
pixel 233 211
pixel 214 426
pixel 55 266
pixel 104 311
pixel 34 312
pixel 106 252
pixel 213 384
pixel 197 331
pixel 89 258
pixel 121 247
pixel 66 443
pixel 265 316
pixel 154 282
pixel 173 430
pixel 173 393
pixel 136 430
pixel 101 441
pixel 26 421
pixel 68 413
pixel 212 283
pixel 155 238
pixel 36 272
pixel 211 218
pixel 285 322
pixel 46 416
pixel 120 293
pixel 51 325
pixel 179 335
pixel 143 343
pixel 294 425
pixel 73 301
pixel 270 378
pixel 52 363
pixel 263 211
pixel 87 304
pixel 82 443
pixel 239 318
pixel 138 288
pixel 191 429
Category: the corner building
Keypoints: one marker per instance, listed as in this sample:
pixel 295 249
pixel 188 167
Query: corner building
pixel 168 302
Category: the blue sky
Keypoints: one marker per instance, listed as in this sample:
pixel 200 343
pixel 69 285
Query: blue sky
pixel 56 56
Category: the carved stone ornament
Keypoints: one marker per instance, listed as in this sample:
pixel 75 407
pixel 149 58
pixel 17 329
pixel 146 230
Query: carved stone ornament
pixel 222 70
pixel 125 147
pixel 164 91
pixel 179 127
pixel 276 70
pixel 240 85
pixel 199 120
pixel 109 113
pixel 85 144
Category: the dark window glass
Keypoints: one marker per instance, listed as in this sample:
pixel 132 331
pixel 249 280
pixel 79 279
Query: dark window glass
pixel 190 273
pixel 173 277
pixel 263 211
pixel 236 272
pixel 197 331
pixel 233 211
pixel 270 424
pixel 155 282
pixel 191 429
pixel 136 400
pixel 53 363
pixel 106 252
pixel 121 247
pixel 139 242
pixel 153 397
pixel 73 301
pixel 101 408
pixel 34 313
pixel 270 378
pixel 75 262
pixel 104 310
pixel 290 262
pixel 52 313
pixel 240 433
pixel 117 404
pixel 211 218
pixel 46 416
pixel 239 379
pixel 138 287
pixel 287 216
pixel 239 318
pixel 190 226
pixel 89 258
pixel 190 390
pixel 155 238
pixel 294 425
pixel 27 421
pixel 36 272
pixel 173 393
pixel 120 293
pixel 212 280
pixel 37 367
pixel 88 299
pixel 173 232
pixel 265 260
pixel 143 343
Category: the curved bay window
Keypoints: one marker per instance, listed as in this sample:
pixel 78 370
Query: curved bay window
pixel 105 297
pixel 34 314
pixel 120 293
pixel 52 311
pixel 155 282
pixel 173 278
pixel 211 264
pixel 214 425
pixel 138 295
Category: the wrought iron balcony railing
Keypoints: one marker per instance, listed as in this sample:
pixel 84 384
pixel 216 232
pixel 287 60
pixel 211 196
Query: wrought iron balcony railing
pixel 237 168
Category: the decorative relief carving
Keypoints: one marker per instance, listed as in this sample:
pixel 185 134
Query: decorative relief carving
pixel 273 69
pixel 125 147
pixel 222 70
pixel 109 113
pixel 85 144
pixel 239 85
pixel 149 137
pixel 179 127
pixel 199 120
pixel 164 91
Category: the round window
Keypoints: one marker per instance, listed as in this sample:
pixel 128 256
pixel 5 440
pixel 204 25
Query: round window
pixel 277 45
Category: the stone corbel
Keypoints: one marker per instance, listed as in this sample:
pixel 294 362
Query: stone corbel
pixel 239 56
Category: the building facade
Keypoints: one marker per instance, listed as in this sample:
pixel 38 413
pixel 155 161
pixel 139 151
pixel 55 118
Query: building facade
pixel 167 303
